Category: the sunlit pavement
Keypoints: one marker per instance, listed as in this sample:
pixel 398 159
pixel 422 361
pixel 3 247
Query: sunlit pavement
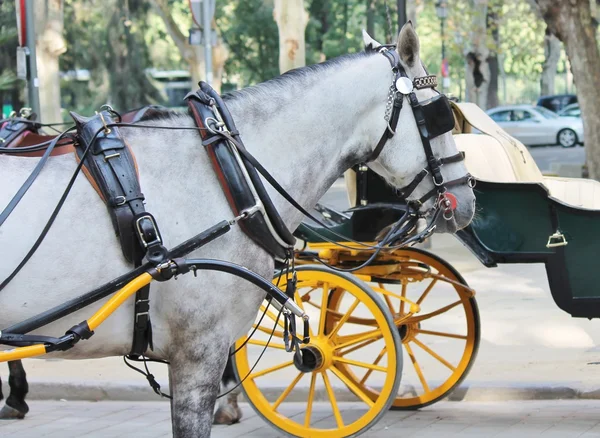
pixel 557 418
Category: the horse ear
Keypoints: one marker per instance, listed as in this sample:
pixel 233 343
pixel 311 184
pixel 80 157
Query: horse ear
pixel 408 45
pixel 370 43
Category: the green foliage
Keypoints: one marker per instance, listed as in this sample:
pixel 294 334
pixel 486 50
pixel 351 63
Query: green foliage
pixel 248 29
pixel 9 83
pixel 117 40
pixel 107 38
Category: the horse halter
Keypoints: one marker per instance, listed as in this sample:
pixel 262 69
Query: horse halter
pixel 434 117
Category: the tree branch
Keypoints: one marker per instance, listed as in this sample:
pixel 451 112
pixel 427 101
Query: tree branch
pixel 175 33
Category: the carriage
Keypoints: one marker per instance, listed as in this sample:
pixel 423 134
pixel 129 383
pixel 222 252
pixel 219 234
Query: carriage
pixel 357 324
pixel 439 341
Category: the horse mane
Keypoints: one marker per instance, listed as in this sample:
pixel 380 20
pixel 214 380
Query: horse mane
pixel 301 76
pixel 298 77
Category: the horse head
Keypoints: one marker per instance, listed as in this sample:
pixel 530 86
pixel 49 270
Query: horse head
pixel 419 158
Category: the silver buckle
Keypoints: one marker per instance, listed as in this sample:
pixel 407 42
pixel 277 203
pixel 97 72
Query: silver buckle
pixel 141 234
pixel 137 315
pixel 120 200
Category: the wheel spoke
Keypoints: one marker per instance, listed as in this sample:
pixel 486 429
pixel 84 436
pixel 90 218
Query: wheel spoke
pixel 344 318
pixel 358 347
pixel 439 311
pixel 323 314
pixel 355 389
pixel 434 354
pixel 413 359
pixel 368 373
pixel 334 406
pixel 272 316
pixel 270 369
pixel 285 393
pixel 311 396
pixel 388 301
pixel 446 335
pixel 264 344
pixel 269 330
pixel 426 291
pixel 355 339
pixel 372 367
pixel 401 309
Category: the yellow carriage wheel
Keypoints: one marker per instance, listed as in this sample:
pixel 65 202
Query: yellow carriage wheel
pixel 315 375
pixel 440 341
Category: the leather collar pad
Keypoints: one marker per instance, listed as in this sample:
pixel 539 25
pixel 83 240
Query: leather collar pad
pixel 232 179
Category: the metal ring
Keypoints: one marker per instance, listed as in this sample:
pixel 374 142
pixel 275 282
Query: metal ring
pixel 107 107
pixel 450 216
pixel 438 184
pixel 212 127
pixel 471 182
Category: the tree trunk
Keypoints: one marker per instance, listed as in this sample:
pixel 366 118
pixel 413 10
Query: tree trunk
pixel 492 23
pixel 477 77
pixel 411 11
pixel 572 23
pixel 50 44
pixel 291 19
pixel 193 55
pixel 552 54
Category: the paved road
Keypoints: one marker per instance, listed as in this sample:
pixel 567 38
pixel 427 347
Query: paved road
pixel 562 419
pixel 544 156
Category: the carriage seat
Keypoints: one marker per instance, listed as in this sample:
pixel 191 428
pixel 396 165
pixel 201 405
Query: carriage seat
pixel 493 155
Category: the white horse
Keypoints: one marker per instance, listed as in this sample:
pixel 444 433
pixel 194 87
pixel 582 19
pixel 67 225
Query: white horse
pixel 306 127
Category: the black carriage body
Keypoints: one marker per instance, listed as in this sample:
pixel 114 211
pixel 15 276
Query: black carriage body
pixel 513 225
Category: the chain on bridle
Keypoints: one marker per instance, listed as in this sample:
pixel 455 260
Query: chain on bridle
pixel 434 117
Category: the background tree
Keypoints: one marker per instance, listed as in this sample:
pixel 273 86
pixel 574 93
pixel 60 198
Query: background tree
pixel 572 23
pixel 169 10
pixel 291 19
pixel 9 84
pixel 50 44
pixel 127 57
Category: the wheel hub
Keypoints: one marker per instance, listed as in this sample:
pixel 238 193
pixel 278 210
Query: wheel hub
pixel 309 359
pixel 408 331
pixel 316 356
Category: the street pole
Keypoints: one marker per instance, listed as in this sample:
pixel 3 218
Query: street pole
pixel 401 13
pixel 443 51
pixel 207 21
pixel 33 95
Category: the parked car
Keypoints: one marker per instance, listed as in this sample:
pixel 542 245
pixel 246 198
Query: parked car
pixel 535 125
pixel 556 102
pixel 572 110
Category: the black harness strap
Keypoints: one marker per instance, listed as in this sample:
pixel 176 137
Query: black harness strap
pixel 112 168
pixel 421 112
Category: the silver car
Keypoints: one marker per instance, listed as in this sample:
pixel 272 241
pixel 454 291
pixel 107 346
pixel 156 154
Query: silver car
pixel 536 125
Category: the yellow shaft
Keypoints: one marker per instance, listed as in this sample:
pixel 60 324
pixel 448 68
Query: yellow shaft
pixel 93 323
pixel 22 352
pixel 117 299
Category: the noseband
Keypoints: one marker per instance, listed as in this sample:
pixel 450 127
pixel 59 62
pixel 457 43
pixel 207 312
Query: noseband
pixel 434 117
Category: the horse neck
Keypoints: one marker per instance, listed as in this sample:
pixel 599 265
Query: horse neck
pixel 306 135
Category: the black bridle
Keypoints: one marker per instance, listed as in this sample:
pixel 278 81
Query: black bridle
pixel 434 117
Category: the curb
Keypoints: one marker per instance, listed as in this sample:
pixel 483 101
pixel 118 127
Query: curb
pixel 474 392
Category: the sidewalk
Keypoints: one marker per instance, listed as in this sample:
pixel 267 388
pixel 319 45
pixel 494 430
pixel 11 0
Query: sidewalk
pixel 529 349
pixel 564 419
